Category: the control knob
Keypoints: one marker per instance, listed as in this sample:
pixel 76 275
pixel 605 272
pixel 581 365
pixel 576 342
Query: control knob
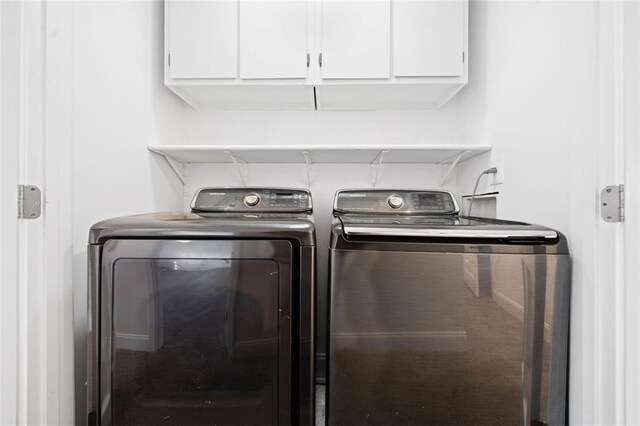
pixel 251 200
pixel 395 201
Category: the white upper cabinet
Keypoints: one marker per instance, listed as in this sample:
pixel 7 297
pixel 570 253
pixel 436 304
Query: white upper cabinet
pixel 355 39
pixel 316 54
pixel 273 39
pixel 202 39
pixel 239 54
pixel 428 38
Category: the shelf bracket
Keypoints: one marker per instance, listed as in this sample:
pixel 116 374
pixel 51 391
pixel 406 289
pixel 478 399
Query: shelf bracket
pixel 242 167
pixel 452 166
pixel 375 167
pixel 309 163
pixel 176 166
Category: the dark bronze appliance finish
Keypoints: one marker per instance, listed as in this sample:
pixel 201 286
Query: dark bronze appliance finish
pixel 439 319
pixel 203 318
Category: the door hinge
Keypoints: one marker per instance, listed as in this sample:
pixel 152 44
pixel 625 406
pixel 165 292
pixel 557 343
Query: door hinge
pixel 463 56
pixel 29 202
pixel 169 59
pixel 612 203
pixel 320 59
pixel 308 60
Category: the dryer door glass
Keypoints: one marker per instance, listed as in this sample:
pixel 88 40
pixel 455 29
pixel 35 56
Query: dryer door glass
pixel 194 341
pixel 193 338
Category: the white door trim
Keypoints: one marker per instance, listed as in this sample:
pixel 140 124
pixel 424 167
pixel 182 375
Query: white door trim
pixel 9 246
pixel 32 286
pixel 607 390
pixel 631 91
pixel 36 355
pixel 22 274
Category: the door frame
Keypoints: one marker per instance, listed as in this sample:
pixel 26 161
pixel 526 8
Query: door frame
pixel 36 368
pixel 610 382
pixel 631 110
pixel 9 229
pixel 23 380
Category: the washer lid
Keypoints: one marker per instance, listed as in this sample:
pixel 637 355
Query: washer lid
pixel 451 226
pixel 251 200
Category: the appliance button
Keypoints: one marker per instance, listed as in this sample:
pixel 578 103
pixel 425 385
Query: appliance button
pixel 251 200
pixel 395 201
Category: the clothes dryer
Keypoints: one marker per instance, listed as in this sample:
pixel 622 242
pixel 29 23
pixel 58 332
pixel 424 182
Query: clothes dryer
pixel 204 317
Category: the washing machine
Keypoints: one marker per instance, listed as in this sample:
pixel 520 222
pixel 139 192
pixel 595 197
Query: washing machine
pixel 442 319
pixel 204 317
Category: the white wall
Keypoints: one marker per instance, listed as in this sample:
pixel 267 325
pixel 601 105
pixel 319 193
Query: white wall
pixel 532 65
pixel 317 127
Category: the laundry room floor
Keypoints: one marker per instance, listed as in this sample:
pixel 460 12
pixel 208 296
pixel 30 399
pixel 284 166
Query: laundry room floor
pixel 320 405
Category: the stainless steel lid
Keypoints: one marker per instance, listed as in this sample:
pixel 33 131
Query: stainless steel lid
pixel 252 200
pixel 425 214
pixel 443 227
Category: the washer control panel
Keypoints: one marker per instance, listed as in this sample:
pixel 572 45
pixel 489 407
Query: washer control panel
pixel 251 199
pixel 395 201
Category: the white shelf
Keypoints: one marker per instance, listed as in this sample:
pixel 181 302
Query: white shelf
pixel 321 154
pixel 447 155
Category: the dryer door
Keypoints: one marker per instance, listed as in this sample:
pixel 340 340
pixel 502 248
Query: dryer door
pixel 195 332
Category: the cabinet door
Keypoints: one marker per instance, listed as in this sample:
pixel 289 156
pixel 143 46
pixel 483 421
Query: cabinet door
pixel 273 39
pixel 428 38
pixel 203 38
pixel 356 39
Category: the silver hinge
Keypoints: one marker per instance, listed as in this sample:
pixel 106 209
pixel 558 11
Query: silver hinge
pixel 463 56
pixel 169 59
pixel 308 60
pixel 29 202
pixel 320 60
pixel 612 203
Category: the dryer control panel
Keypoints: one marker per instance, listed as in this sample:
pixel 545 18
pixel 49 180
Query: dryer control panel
pixel 414 202
pixel 251 199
